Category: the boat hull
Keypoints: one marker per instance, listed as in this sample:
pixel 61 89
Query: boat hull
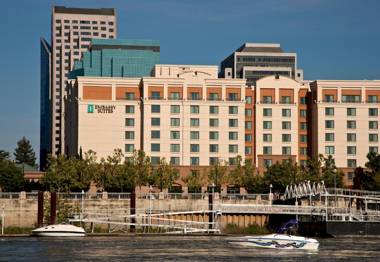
pixel 277 241
pixel 59 231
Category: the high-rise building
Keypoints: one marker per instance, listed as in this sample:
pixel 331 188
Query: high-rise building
pixel 253 61
pixel 71 32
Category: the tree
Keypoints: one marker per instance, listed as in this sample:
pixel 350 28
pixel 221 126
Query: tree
pixel 24 153
pixel 164 175
pixel 217 175
pixel 282 174
pixel 252 181
pixel 330 174
pixel 194 181
pixel 11 177
pixel 4 155
pixel 313 170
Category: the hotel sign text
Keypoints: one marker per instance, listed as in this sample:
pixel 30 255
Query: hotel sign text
pixel 101 109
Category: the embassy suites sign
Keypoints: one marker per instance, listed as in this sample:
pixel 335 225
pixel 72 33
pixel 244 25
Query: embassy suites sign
pixel 101 109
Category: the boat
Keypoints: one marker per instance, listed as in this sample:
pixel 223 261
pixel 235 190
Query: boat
pixel 59 230
pixel 279 240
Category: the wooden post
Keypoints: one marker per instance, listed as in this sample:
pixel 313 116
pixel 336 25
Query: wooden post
pixel 210 208
pixel 133 211
pixel 53 208
pixel 40 209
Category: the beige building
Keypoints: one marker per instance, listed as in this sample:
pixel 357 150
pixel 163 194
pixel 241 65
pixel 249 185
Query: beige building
pixel 71 32
pixel 345 119
pixel 184 113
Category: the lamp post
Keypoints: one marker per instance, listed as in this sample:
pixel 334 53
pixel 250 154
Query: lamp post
pixel 82 208
pixel 150 205
pixel 270 194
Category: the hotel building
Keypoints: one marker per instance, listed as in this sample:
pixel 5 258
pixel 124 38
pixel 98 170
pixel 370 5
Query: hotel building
pixel 345 121
pixel 71 32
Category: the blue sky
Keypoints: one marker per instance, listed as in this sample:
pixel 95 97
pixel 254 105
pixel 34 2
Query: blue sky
pixel 334 39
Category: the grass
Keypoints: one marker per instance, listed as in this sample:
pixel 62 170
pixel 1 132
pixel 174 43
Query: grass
pixel 251 229
pixel 17 230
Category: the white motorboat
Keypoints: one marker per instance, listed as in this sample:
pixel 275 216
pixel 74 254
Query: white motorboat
pixel 279 241
pixel 60 230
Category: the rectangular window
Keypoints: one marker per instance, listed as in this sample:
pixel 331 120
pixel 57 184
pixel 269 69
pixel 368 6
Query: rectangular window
pixel 329 123
pixel 248 137
pixel 233 110
pixel 303 138
pixel 175 96
pixel 214 148
pixel 155 134
pixel 286 138
pixel 374 149
pixel 155 108
pixel 129 109
pixel 351 111
pixel 351 98
pixel 155 147
pixel 130 96
pixel 303 113
pixel 129 148
pixel 267 162
pixel 232 122
pixel 213 96
pixel 303 126
pixel 175 135
pixel 174 122
pixel 155 95
pixel 233 96
pixel 267 137
pixel 194 109
pixel 248 150
pixel 267 111
pixel 174 160
pixel 155 160
pixel 329 150
pixel 195 96
pixel 194 148
pixel 267 124
pixel 373 112
pixel 175 109
pixel 351 137
pixel 286 150
pixel 155 121
pixel 351 150
pixel 373 137
pixel 286 100
pixel 286 125
pixel 129 135
pixel 303 151
pixel 351 124
pixel 373 124
pixel 248 99
pixel 174 148
pixel 351 163
pixel 232 161
pixel 129 122
pixel 214 110
pixel 213 135
pixel 372 99
pixel 267 150
pixel 329 137
pixel 248 112
pixel 213 160
pixel 267 100
pixel 214 122
pixel 248 125
pixel 194 122
pixel 286 113
pixel 329 111
pixel 233 135
pixel 194 135
pixel 303 100
pixel 232 148
pixel 329 98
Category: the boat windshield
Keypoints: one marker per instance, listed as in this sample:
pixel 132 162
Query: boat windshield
pixel 287 225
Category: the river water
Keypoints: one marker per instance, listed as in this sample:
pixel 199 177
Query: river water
pixel 176 248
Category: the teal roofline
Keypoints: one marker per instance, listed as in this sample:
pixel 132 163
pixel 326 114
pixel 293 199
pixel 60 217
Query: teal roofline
pixel 136 42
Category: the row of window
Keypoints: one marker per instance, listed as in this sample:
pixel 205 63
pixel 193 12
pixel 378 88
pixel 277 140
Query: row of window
pixel 194 135
pixel 351 124
pixel 194 122
pixel 285 138
pixel 329 111
pixel 58 21
pixel 285 112
pixel 286 125
pixel 286 150
pixel 351 150
pixel 351 137
pixel 350 98
pixel 156 95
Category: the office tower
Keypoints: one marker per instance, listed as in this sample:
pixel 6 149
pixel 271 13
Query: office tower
pixel 253 61
pixel 71 32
